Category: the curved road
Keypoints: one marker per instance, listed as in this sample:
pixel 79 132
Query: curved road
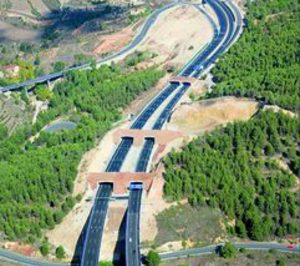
pixel 23 260
pixel 137 40
pixel 214 248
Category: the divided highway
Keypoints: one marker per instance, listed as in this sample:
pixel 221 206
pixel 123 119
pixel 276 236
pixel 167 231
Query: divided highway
pixel 223 38
pixel 94 231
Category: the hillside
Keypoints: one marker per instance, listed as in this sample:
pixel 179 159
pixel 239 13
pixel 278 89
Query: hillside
pixel 265 62
pixel 42 169
pixel 250 170
pixel 50 35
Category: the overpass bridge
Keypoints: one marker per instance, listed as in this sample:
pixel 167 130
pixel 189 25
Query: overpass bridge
pixel 226 31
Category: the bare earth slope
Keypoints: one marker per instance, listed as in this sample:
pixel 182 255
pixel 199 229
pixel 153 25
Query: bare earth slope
pixel 199 117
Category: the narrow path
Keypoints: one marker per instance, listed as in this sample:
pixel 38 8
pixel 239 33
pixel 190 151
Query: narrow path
pixel 263 246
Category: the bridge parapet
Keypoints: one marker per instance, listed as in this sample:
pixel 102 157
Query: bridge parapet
pixel 162 137
pixel 183 80
pixel 120 180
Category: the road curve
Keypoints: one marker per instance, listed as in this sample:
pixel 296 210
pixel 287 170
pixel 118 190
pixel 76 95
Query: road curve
pixel 137 40
pixel 260 246
pixel 263 246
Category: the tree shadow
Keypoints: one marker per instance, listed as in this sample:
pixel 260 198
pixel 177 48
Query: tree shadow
pixel 119 251
pixel 76 259
pixel 60 24
pixel 67 20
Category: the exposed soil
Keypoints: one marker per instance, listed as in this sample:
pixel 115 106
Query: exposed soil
pixel 276 108
pixel 23 5
pixel 115 41
pixel 178 34
pixel 26 250
pixel 12 33
pixel 199 117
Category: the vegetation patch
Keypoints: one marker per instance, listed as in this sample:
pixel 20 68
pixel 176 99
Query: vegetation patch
pixel 34 11
pixel 200 225
pixel 5 4
pixel 52 4
pixel 138 57
pixel 14 111
pixel 234 169
pixel 265 62
pixel 37 178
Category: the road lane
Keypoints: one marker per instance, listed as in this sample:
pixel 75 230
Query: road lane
pixel 133 257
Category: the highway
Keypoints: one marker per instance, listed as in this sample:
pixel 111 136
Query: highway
pixel 91 247
pixel 145 155
pixel 214 248
pixel 136 41
pixel 119 155
pixel 223 38
pixel 133 257
pixel 163 117
pixel 148 111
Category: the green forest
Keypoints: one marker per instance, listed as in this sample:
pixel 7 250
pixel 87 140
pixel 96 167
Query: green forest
pixel 37 177
pixel 250 170
pixel 265 62
pixel 241 170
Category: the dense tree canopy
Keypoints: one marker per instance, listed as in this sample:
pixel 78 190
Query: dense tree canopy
pixel 265 62
pixel 240 169
pixel 37 177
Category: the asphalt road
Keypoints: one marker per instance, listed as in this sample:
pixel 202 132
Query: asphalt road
pixel 119 155
pixel 133 257
pixel 91 248
pixel 163 117
pixel 92 243
pixel 214 248
pixel 148 111
pixel 206 57
pixel 145 155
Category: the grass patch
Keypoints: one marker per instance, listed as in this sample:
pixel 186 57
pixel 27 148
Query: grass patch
pixel 200 225
pixel 52 4
pixel 34 11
